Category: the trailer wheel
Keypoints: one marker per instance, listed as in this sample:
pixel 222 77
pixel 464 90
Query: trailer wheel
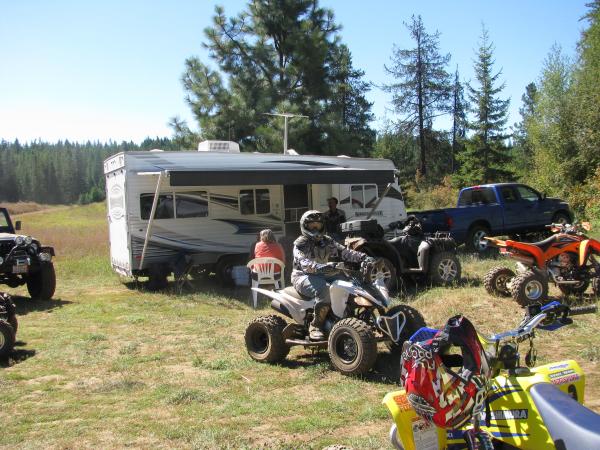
pixel 42 284
pixel 496 281
pixel 157 278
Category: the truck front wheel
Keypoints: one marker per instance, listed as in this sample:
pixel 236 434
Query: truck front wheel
pixel 42 284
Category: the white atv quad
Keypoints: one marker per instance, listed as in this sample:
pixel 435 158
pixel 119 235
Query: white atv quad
pixel 359 318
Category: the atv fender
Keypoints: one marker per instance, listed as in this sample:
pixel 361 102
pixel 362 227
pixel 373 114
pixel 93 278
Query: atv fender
pixel 584 250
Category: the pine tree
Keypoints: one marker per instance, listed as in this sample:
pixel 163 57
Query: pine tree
pixel 459 119
pixel 422 88
pixel 485 156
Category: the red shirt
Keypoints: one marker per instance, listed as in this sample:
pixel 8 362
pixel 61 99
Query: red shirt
pixel 269 250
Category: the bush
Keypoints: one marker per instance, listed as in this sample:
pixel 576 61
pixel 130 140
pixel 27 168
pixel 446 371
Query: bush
pixel 431 197
pixel 585 198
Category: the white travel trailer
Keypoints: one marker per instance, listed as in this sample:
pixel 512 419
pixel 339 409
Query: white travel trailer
pixel 206 207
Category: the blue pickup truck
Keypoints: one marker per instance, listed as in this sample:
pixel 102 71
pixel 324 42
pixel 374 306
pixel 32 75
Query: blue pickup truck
pixel 496 209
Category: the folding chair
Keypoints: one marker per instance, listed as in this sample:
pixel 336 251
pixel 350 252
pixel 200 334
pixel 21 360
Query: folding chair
pixel 262 271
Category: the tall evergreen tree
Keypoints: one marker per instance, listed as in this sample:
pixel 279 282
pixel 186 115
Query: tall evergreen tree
pixel 422 87
pixel 485 156
pixel 459 119
pixel 275 56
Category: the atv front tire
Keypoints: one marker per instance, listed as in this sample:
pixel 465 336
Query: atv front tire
pixel 528 288
pixel 352 347
pixel 444 269
pixel 264 339
pixel 414 321
pixel 7 338
pixel 42 284
pixel 496 281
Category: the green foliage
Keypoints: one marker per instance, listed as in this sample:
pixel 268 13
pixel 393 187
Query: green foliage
pixel 422 88
pixel 279 56
pixel 60 173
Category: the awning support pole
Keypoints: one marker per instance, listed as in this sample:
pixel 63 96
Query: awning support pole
pixel 151 219
pixel 387 189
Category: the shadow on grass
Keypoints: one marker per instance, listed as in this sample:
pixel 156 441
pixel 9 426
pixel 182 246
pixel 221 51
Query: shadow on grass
pixel 17 356
pixel 25 305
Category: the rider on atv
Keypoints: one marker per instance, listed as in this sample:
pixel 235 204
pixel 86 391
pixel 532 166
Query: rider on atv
pixel 312 252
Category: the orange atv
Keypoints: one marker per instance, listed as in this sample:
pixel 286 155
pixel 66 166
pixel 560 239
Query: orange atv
pixel 567 258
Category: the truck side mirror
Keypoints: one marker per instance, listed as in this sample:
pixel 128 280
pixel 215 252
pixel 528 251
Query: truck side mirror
pixel 17 225
pixel 543 197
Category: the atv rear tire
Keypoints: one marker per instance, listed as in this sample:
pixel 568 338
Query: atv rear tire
pixel 264 339
pixel 496 281
pixel 7 338
pixel 414 321
pixel 42 284
pixel 444 268
pixel 352 347
pixel 528 288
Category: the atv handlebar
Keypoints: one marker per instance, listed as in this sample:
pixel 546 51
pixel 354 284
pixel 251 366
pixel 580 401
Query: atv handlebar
pixel 578 310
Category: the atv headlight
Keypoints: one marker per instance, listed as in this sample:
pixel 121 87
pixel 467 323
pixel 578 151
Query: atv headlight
pixel 34 247
pixel 45 257
pixel 28 240
pixel 361 301
pixel 19 240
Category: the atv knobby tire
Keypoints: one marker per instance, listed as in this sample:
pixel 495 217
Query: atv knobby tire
pixel 528 288
pixel 352 347
pixel 264 339
pixel 42 284
pixel 444 268
pixel 414 321
pixel 496 281
pixel 7 338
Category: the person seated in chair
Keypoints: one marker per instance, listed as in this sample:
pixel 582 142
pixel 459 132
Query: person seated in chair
pixel 312 251
pixel 268 247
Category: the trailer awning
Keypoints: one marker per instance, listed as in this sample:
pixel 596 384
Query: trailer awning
pixel 242 177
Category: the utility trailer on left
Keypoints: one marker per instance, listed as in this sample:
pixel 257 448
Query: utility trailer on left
pixel 169 211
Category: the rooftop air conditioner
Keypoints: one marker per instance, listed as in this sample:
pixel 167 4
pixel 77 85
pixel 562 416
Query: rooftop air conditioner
pixel 219 146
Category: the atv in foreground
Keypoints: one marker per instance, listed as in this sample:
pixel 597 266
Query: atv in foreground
pixel 359 318
pixel 23 260
pixel 8 325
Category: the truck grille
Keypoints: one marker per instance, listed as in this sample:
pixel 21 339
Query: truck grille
pixel 6 247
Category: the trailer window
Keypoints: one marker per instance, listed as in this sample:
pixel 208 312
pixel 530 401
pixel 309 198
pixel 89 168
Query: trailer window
pixel 363 196
pixel 247 201
pixel 191 204
pixel 255 201
pixel 164 206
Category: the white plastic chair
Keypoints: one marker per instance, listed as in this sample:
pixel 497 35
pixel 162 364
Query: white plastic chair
pixel 262 271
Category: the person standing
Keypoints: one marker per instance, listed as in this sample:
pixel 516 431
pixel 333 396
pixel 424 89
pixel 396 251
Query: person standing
pixel 334 217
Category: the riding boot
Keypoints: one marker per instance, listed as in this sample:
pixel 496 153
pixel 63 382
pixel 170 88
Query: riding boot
pixel 315 329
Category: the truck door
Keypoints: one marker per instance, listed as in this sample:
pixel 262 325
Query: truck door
pixel 513 212
pixel 120 255
pixel 532 207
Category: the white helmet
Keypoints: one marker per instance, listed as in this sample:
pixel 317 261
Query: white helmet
pixel 312 232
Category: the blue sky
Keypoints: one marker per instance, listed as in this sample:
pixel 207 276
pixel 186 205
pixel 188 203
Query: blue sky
pixel 82 70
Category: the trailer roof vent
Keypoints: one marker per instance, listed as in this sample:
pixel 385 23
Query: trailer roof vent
pixel 219 146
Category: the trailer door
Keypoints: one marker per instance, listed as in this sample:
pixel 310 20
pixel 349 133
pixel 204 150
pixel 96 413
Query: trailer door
pixel 296 200
pixel 120 255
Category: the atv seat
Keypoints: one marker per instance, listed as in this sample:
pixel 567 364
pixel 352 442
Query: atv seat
pixel 570 424
pixel 546 243
pixel 294 293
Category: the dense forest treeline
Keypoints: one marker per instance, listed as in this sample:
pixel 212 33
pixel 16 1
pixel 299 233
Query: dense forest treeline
pixel 60 173
pixel 288 56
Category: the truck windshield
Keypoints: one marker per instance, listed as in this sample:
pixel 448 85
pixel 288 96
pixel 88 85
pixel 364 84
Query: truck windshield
pixel 477 196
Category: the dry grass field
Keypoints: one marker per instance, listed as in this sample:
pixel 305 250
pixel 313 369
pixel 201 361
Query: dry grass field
pixel 108 365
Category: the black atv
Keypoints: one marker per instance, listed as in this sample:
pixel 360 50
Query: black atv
pixel 23 260
pixel 8 325
pixel 411 253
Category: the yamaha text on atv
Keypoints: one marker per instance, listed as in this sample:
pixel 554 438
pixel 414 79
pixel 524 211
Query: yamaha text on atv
pixel 359 317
